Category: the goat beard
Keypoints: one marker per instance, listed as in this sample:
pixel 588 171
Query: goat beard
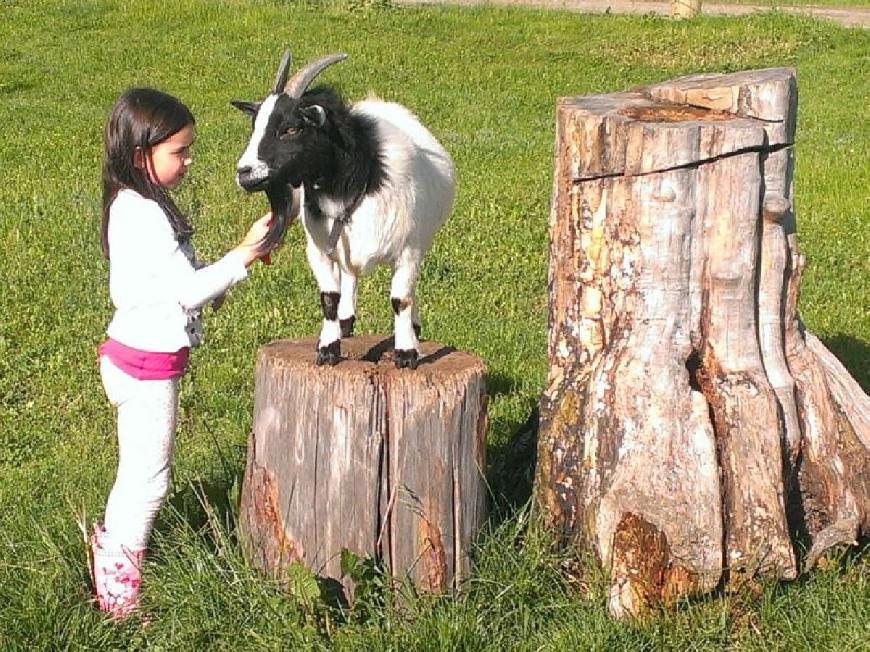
pixel 280 197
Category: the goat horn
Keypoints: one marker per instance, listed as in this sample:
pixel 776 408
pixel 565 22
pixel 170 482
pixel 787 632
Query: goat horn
pixel 283 69
pixel 298 85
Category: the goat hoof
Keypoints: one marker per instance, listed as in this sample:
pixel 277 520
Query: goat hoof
pixel 347 326
pixel 406 358
pixel 330 354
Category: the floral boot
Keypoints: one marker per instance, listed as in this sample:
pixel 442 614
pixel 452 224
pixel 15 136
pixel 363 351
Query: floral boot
pixel 116 575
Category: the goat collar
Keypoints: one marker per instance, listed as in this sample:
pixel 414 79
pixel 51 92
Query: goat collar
pixel 313 209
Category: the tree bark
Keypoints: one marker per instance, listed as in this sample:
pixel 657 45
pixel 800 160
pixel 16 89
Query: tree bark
pixel 384 462
pixel 692 433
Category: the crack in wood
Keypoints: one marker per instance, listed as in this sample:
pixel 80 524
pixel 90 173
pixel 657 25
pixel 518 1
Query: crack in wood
pixel 384 481
pixel 770 149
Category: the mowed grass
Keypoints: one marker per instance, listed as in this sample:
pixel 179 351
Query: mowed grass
pixel 485 81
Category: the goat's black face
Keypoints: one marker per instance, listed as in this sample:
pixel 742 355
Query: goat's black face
pixel 283 143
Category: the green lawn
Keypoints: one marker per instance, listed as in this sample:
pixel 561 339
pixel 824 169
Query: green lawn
pixel 485 81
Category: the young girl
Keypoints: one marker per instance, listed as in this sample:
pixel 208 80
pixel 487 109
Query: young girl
pixel 158 289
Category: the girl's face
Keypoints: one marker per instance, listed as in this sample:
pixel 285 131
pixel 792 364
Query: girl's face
pixel 167 162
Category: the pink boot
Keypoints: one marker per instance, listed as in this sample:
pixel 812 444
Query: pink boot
pixel 116 575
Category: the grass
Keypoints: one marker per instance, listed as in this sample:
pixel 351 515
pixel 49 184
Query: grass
pixel 485 80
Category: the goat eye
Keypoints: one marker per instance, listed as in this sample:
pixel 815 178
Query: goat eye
pixel 289 132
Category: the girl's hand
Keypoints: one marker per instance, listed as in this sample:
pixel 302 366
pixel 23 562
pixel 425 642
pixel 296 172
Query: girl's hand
pixel 251 246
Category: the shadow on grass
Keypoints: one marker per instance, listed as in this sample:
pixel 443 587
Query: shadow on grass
pixel 854 354
pixel 500 385
pixel 512 464
pixel 193 502
pixel 512 471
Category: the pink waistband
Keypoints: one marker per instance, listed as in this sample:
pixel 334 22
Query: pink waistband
pixel 145 365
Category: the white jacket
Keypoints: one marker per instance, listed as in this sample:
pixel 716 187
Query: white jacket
pixel 155 283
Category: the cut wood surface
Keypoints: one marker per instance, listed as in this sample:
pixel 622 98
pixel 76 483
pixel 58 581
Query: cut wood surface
pixel 692 433
pixel 382 461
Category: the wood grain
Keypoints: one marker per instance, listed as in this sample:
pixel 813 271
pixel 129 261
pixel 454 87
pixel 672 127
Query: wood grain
pixel 382 461
pixel 692 433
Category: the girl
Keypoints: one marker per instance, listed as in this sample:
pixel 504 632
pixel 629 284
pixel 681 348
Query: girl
pixel 158 289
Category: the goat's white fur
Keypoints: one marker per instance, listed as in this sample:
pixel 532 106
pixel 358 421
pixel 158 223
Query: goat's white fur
pixel 394 225
pixel 250 157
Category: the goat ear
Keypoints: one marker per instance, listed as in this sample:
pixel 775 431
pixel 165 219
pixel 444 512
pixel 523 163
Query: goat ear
pixel 250 108
pixel 313 115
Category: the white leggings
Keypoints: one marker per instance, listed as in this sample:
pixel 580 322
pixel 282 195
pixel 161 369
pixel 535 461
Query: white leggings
pixel 146 436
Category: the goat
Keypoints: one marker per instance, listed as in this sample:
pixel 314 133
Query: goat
pixel 371 183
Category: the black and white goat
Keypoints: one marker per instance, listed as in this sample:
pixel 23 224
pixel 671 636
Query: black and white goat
pixel 372 184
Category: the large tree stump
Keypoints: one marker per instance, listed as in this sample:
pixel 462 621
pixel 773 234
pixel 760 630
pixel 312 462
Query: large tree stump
pixel 692 433
pixel 381 461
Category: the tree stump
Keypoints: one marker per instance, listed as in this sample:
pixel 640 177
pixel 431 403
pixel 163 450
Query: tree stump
pixel 692 433
pixel 381 461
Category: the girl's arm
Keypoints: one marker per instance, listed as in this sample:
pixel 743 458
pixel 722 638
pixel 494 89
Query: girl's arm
pixel 194 288
pixel 148 265
pixel 200 286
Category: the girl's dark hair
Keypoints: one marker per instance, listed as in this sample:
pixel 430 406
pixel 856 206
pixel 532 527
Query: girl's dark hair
pixel 141 118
